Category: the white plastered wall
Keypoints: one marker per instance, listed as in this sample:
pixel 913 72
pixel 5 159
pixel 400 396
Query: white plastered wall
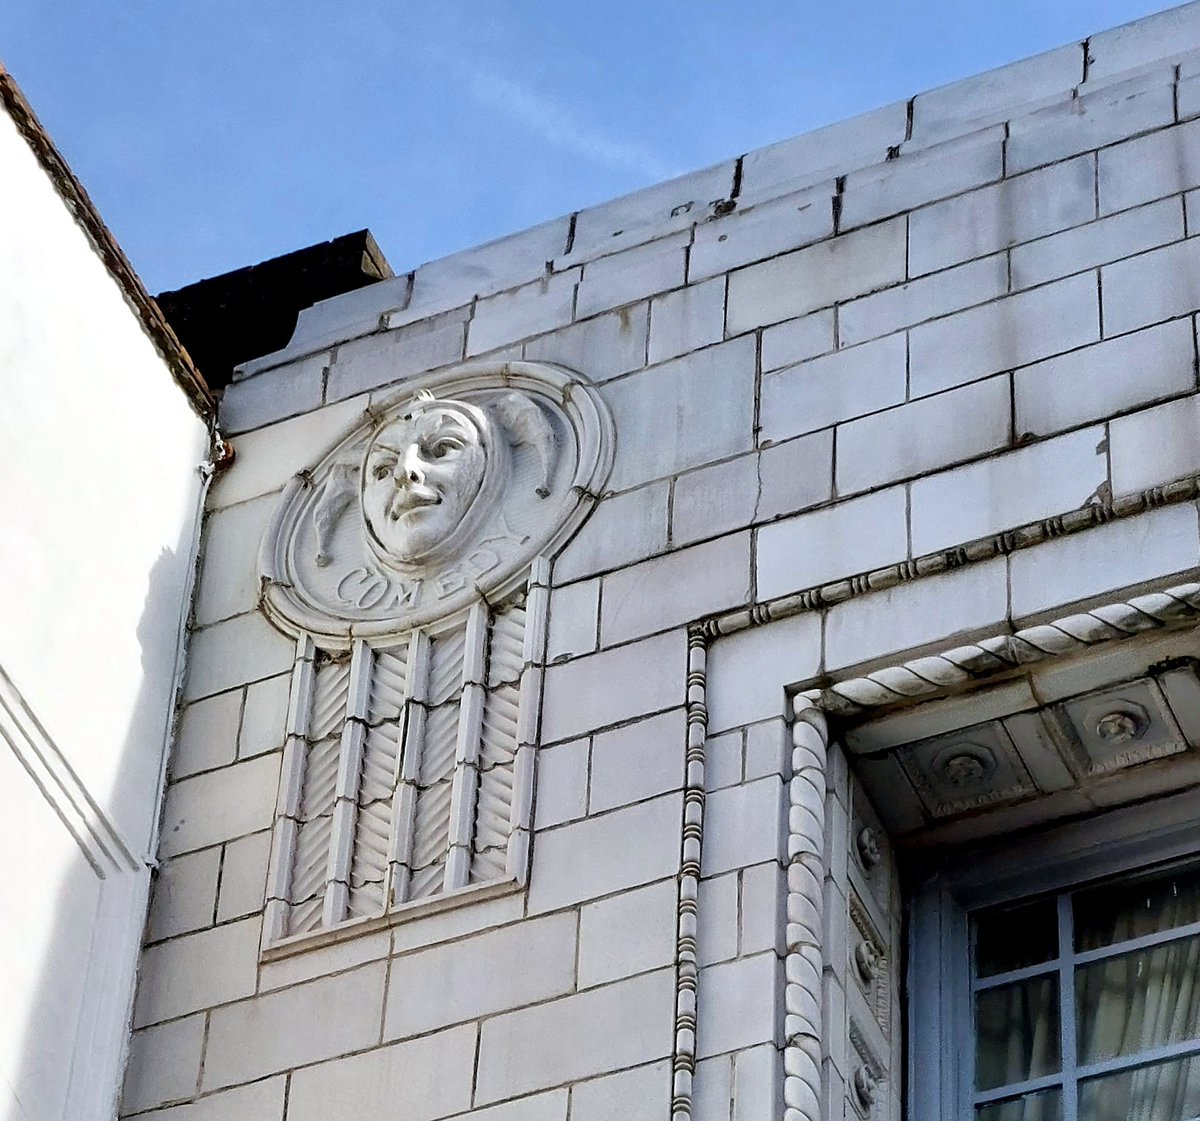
pixel 99 492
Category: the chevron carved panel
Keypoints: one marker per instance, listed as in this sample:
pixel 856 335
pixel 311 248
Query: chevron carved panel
pixel 506 653
pixel 380 772
pixel 406 761
pixel 431 831
pixel 493 808
pixel 310 866
pixel 498 745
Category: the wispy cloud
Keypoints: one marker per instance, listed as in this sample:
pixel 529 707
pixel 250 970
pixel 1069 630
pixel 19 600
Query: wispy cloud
pixel 554 122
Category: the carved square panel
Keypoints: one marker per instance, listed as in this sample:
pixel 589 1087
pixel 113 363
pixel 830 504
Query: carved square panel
pixel 1181 687
pixel 965 770
pixel 869 965
pixel 867 1087
pixel 1121 726
pixel 871 864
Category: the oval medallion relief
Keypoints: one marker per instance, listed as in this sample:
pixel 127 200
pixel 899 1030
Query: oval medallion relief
pixel 441 495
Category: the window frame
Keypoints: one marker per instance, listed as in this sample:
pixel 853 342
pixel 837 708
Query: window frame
pixel 943 891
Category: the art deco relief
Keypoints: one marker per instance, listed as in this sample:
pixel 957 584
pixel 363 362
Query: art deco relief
pixel 410 563
pixel 440 496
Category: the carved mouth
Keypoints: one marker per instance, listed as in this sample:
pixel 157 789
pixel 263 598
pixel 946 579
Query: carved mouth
pixel 409 502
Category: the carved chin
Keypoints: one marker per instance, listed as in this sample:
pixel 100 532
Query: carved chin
pixel 414 534
pixel 409 536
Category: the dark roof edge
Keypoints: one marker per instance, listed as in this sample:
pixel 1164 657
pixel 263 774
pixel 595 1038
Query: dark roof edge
pixel 184 371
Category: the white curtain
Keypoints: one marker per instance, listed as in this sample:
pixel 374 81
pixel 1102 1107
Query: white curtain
pixel 1125 1005
pixel 1017 1033
pixel 1129 1004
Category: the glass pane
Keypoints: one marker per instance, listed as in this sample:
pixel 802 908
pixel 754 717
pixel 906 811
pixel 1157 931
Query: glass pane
pixel 1016 1032
pixel 1133 908
pixel 1131 1002
pixel 1014 937
pixel 1045 1106
pixel 1163 1092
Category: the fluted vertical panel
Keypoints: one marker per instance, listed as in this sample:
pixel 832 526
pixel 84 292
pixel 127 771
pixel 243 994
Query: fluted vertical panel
pixel 331 686
pixel 446 654
pixel 415 784
pixel 373 827
pixel 506 657
pixel 535 620
pixel 277 911
pixel 389 682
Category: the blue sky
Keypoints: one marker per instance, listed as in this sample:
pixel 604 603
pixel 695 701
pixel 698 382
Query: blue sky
pixel 217 133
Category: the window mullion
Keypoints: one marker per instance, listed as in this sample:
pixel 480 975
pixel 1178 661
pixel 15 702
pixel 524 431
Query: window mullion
pixel 1145 942
pixel 466 771
pixel 404 817
pixel 957 1010
pixel 1163 1052
pixel 999 980
pixel 1013 1090
pixel 345 807
pixel 1066 1008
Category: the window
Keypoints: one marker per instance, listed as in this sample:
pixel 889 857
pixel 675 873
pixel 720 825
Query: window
pixel 1077 1003
pixel 1087 1003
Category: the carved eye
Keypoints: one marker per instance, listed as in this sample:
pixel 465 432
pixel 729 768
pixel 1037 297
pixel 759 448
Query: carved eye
pixel 381 470
pixel 447 445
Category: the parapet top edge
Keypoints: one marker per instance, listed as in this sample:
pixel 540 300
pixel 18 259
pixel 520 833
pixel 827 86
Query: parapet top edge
pixel 929 120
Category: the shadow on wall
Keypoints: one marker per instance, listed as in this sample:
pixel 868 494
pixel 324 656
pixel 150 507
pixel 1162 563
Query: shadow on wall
pixel 76 911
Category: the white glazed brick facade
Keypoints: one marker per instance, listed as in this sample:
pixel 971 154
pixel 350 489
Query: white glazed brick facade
pixel 860 381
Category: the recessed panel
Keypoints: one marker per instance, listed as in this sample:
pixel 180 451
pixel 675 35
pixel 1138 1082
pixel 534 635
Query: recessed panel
pixel 966 770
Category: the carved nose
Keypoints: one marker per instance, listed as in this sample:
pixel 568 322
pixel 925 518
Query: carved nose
pixel 412 470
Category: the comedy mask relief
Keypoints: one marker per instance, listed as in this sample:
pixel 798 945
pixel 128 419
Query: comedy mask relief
pixel 432 472
pixel 442 496
pixel 421 476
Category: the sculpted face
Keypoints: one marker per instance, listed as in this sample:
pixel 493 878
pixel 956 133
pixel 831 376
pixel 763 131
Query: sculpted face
pixel 421 474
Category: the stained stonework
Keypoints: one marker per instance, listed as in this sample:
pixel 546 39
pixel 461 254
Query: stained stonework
pixel 887 558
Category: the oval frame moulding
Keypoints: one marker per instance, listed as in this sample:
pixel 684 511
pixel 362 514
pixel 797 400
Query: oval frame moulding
pixel 547 443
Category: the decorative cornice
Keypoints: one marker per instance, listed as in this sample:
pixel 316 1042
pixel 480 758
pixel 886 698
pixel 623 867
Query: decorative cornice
pixel 918 679
pixel 963 665
pixel 71 191
pixel 821 596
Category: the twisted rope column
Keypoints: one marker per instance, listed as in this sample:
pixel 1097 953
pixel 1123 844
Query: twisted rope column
pixel 805 904
pixel 687 962
pixel 1072 634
